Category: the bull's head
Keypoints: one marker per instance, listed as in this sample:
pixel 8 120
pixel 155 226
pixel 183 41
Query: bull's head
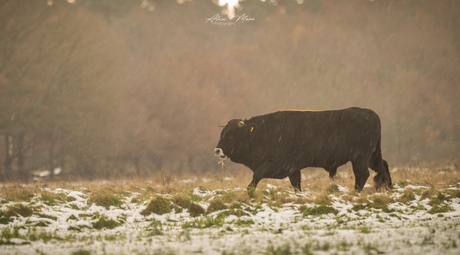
pixel 234 141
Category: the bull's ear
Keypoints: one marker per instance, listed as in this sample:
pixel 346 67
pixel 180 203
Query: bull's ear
pixel 240 124
pixel 252 132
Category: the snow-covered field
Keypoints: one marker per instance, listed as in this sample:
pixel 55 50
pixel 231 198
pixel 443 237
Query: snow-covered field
pixel 409 220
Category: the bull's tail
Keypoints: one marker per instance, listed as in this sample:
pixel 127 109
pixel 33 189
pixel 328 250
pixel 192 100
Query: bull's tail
pixel 379 165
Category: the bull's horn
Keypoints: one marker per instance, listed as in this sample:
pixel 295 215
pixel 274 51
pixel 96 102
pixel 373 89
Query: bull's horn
pixel 223 125
pixel 241 124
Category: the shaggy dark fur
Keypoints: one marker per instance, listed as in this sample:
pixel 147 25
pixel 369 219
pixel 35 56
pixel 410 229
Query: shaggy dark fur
pixel 280 144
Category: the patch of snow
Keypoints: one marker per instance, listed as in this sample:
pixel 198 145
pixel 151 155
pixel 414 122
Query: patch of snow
pixel 18 241
pixel 46 173
pixel 269 186
pixel 405 230
pixel 415 187
pixel 342 189
pixel 57 170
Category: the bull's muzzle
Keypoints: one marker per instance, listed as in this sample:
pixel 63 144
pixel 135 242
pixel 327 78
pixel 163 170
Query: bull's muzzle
pixel 219 153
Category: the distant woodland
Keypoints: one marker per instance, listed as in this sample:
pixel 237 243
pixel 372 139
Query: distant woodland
pixel 118 89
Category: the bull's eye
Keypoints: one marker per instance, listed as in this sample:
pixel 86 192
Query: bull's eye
pixel 231 137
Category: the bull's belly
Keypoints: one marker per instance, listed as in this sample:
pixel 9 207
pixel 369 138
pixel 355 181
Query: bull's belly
pixel 327 162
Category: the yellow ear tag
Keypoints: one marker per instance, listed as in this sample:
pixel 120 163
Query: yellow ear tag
pixel 252 129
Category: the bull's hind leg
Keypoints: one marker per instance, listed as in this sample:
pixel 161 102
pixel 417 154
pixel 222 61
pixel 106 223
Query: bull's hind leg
pixel 361 171
pixel 295 179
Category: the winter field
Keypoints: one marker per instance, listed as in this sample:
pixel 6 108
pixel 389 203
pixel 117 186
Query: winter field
pixel 217 215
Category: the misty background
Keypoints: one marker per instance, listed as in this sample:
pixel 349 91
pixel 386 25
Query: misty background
pixel 119 89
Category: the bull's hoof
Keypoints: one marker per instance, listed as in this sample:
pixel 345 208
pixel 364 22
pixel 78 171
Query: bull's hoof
pixel 383 185
pixel 388 185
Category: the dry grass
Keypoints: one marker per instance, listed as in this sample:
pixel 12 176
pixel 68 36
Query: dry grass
pixel 106 197
pixel 107 193
pixel 424 175
pixel 18 192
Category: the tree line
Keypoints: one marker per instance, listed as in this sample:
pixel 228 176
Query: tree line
pixel 110 89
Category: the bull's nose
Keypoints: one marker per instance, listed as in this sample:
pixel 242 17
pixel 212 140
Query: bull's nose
pixel 218 151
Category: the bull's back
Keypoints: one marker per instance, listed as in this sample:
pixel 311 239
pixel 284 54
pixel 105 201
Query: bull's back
pixel 311 137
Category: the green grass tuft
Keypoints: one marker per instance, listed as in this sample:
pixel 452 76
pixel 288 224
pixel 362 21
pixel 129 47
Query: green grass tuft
pixel 104 222
pixel 454 193
pixel 46 216
pixel 440 209
pixel 204 223
pixel 41 224
pixel 237 210
pixel 15 210
pixel 135 200
pixel 216 205
pixel 155 228
pixel 244 223
pixel 252 192
pixel 186 202
pixel 333 189
pixel 381 202
pixel 402 183
pixel 438 200
pixel 323 200
pixel 365 230
pixel 105 198
pixel 281 250
pixel 318 210
pixel 8 234
pixel 359 207
pixel 428 194
pixel 72 217
pixel 81 252
pixel 51 198
pixel 5 220
pixel 158 205
pixel 195 209
pixel 407 197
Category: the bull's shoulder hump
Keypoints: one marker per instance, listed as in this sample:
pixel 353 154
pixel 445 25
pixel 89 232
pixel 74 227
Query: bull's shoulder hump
pixel 352 112
pixel 299 110
pixel 325 110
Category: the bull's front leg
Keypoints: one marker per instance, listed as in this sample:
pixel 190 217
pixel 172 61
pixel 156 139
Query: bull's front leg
pixel 266 170
pixel 295 179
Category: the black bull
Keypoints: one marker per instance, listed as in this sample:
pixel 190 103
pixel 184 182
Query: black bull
pixel 280 144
